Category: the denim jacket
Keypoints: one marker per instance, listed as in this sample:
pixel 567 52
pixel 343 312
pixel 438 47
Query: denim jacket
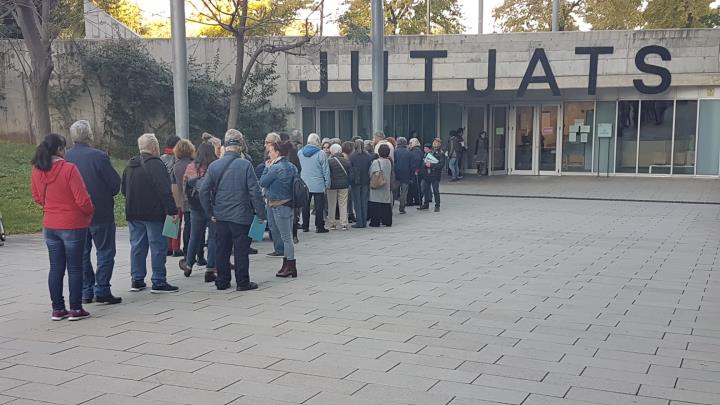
pixel 277 180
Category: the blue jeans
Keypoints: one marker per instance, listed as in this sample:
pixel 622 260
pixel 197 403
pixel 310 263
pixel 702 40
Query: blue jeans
pixel 454 168
pixel 199 223
pixel 143 236
pixel 98 283
pixel 65 249
pixel 232 237
pixel 281 226
pixel 360 196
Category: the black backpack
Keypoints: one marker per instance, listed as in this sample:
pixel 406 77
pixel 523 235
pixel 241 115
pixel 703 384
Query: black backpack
pixel 192 191
pixel 301 194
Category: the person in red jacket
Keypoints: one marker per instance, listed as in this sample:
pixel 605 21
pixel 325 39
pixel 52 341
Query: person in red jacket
pixel 58 187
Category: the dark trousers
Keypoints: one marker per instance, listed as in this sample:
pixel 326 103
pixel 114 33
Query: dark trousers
pixel 96 283
pixel 230 236
pixel 65 250
pixel 431 188
pixel 319 211
pixel 186 230
pixel 380 214
pixel 360 204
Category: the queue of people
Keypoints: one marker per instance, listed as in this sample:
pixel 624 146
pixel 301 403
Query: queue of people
pixel 217 193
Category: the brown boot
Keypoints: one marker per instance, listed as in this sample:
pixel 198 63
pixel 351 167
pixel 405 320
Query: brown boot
pixel 289 271
pixel 210 275
pixel 283 268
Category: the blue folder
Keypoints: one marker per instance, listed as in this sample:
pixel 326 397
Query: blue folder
pixel 171 228
pixel 257 230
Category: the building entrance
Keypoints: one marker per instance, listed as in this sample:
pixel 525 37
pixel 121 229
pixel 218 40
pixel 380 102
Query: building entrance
pixel 535 133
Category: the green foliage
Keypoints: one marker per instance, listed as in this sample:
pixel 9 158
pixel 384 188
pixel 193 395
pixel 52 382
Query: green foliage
pixel 536 15
pixel 140 95
pixel 265 17
pixel 20 213
pixel 402 17
pixel 125 11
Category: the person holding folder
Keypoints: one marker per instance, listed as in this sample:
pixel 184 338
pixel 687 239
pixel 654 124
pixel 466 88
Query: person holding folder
pixel 231 197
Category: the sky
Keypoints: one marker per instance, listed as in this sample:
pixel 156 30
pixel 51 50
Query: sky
pixel 333 9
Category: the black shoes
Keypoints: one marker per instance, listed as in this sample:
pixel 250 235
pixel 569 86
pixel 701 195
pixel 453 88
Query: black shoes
pixel 164 289
pixel 423 208
pixel 248 287
pixel 109 300
pixel 322 230
pixel 187 270
pixel 138 286
pixel 201 261
pixel 87 300
pixel 437 208
pixel 210 275
pixel 178 253
pixel 253 251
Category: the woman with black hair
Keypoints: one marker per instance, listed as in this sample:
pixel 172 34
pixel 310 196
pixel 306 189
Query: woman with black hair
pixel 58 187
pixel 199 221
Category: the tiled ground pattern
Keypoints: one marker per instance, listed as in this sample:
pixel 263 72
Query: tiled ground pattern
pixel 491 301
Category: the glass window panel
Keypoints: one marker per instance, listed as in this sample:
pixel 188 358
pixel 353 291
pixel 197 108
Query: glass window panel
pixel 685 131
pixel 548 137
pixel 524 137
pixel 429 127
pixel 708 147
pixel 388 119
pixel 327 124
pixel 415 121
pixel 477 148
pixel 450 120
pixel 578 136
pixel 656 127
pixel 499 138
pixel 401 121
pixel 308 120
pixel 346 125
pixel 605 147
pixel 365 122
pixel 627 135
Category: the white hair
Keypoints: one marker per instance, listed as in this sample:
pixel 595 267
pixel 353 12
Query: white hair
pixel 81 132
pixel 335 149
pixel 235 135
pixel 297 136
pixel 314 139
pixel 414 142
pixel 273 137
pixel 148 143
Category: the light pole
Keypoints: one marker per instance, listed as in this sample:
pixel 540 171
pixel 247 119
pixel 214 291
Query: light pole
pixel 429 26
pixel 378 74
pixel 555 15
pixel 180 83
pixel 481 16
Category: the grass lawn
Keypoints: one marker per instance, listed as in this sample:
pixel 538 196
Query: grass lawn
pixel 20 213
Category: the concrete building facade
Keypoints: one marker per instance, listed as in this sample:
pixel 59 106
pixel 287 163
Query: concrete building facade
pixel 587 103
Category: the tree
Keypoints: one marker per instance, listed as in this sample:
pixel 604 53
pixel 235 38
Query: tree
pixel 614 14
pixel 40 23
pixel 124 11
pixel 404 17
pixel 677 13
pixel 156 28
pixel 264 20
pixel 536 15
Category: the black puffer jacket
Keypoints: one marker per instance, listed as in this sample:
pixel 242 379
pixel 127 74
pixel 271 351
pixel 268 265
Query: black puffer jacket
pixel 146 187
pixel 340 172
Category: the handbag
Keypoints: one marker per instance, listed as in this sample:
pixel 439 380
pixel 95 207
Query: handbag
pixel 377 179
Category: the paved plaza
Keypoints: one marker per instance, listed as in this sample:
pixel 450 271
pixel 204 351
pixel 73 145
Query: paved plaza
pixel 495 300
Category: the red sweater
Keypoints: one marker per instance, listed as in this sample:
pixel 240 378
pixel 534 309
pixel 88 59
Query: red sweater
pixel 62 194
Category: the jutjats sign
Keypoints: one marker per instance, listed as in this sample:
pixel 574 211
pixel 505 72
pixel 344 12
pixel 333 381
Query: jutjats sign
pixel 539 57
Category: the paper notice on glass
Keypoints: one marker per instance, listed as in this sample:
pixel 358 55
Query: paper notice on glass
pixel 573 137
pixel 499 131
pixel 583 137
pixel 580 122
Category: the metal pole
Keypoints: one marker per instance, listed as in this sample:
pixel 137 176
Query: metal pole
pixel 555 15
pixel 429 26
pixel 180 82
pixel 378 65
pixel 481 16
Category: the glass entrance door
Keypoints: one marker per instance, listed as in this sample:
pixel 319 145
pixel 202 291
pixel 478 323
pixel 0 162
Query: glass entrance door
pixel 535 137
pixel 524 145
pixel 548 138
pixel 498 139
